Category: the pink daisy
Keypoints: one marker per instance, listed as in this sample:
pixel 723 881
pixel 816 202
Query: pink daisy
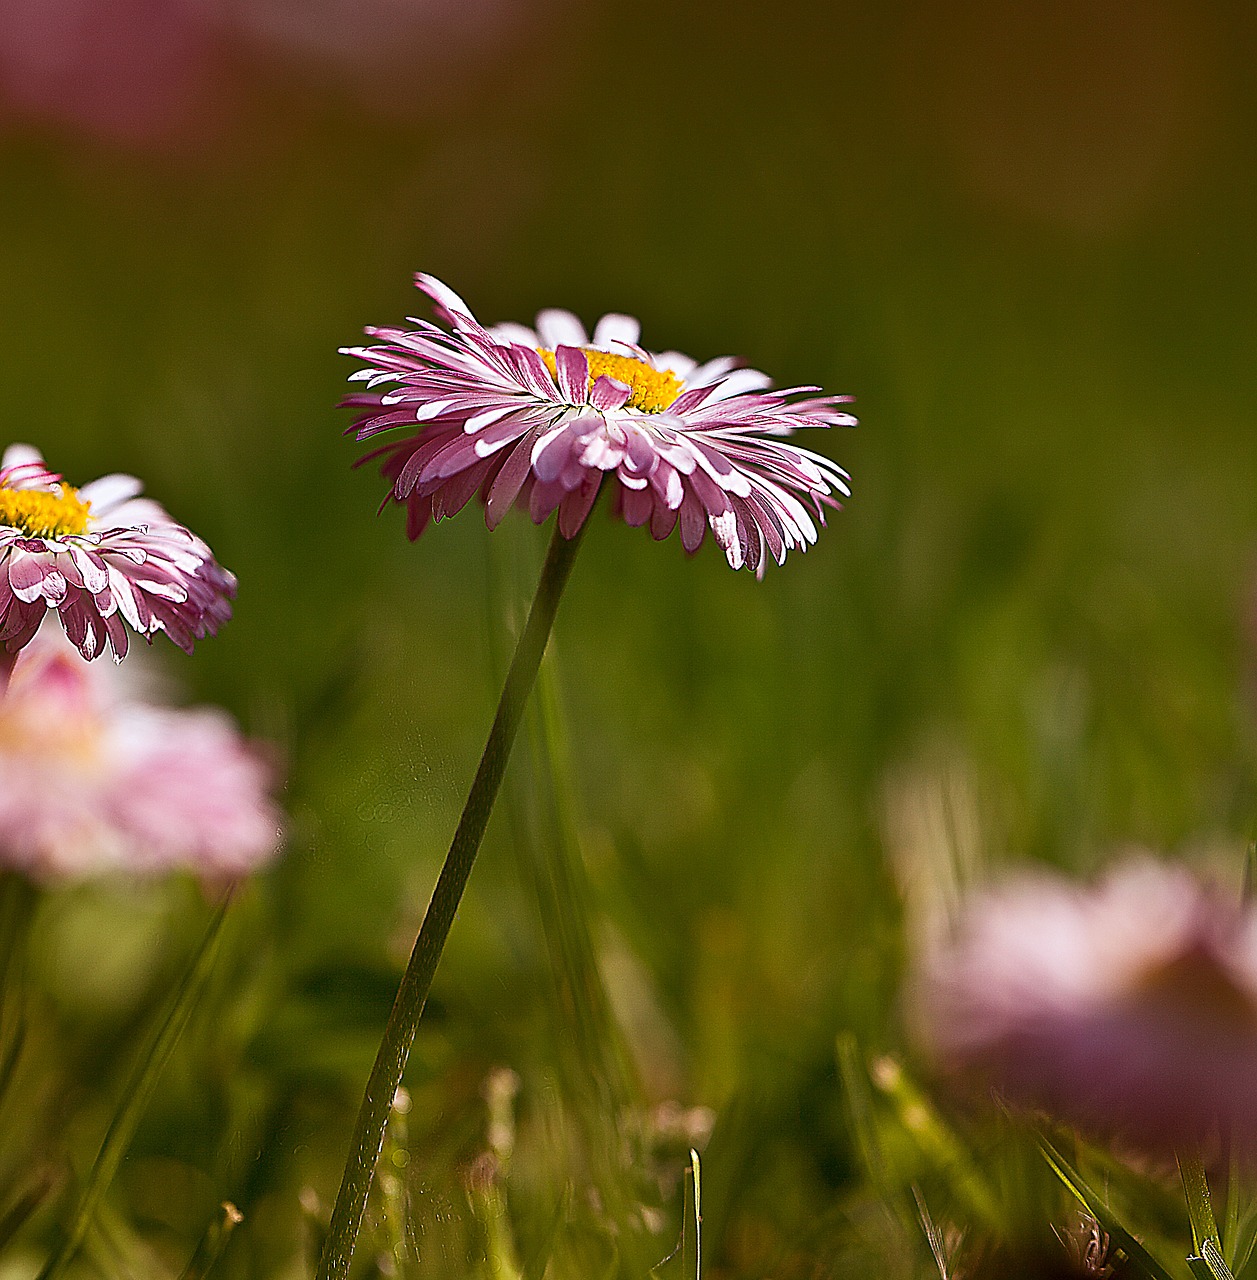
pixel 1130 1007
pixel 539 417
pixel 99 556
pixel 93 780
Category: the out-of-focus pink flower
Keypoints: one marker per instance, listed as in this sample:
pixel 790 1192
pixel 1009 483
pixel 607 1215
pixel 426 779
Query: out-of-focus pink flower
pixel 151 73
pixel 135 71
pixel 541 417
pixel 93 780
pixel 376 45
pixel 1130 1007
pixel 100 556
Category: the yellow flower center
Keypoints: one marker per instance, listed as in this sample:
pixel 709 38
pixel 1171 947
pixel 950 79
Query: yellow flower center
pixel 42 513
pixel 651 390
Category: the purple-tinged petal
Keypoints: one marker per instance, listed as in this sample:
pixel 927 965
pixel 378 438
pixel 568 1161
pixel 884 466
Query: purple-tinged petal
pixel 693 522
pixel 550 455
pixel 609 393
pixel 636 506
pixel 575 508
pixel 506 486
pixel 572 370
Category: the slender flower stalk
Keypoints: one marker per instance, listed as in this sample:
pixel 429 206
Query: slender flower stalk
pixel 412 994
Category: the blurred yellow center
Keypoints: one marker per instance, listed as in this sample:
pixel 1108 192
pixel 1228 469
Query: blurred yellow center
pixel 40 513
pixel 651 390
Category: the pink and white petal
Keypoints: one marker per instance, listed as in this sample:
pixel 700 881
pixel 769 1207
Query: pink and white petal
pixel 22 455
pixel 666 481
pixel 724 529
pixel 445 297
pixel 572 370
pixel 603 452
pixel 551 454
pixel 30 575
pixel 609 393
pixel 91 569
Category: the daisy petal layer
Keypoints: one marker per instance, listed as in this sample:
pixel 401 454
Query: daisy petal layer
pixel 539 418
pixel 104 559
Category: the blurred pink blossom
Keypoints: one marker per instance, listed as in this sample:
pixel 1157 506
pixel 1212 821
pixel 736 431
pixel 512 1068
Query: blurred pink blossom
pixel 125 70
pixel 1130 1007
pixel 94 780
pixel 156 72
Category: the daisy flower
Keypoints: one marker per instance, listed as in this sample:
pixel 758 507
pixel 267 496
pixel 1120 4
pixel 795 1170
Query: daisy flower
pixel 94 780
pixel 100 556
pixel 539 417
pixel 1129 1007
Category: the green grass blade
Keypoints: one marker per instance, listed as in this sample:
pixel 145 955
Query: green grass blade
pixel 1231 1215
pixel 1216 1263
pixel 137 1094
pixel 698 1214
pixel 933 1236
pixel 1199 1204
pixel 1090 1200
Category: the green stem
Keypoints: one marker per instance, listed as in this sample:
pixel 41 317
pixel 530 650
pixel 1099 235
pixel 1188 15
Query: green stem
pixel 403 1021
pixel 139 1090
pixel 1207 1260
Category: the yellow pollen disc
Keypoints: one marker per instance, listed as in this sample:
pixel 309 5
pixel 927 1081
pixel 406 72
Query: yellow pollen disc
pixel 40 513
pixel 651 390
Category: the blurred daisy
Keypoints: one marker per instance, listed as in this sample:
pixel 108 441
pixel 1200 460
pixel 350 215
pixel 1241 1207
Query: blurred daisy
pixel 99 556
pixel 1129 1007
pixel 94 780
pixel 539 417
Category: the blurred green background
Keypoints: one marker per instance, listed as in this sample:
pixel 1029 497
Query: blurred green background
pixel 1020 234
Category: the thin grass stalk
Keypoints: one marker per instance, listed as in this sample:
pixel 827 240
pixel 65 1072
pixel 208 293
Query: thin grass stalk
pixel 137 1094
pixel 412 994
pixel 213 1242
pixel 17 905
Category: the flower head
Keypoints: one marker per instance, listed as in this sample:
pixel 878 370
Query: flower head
pixel 1128 1007
pixel 94 780
pixel 100 556
pixel 539 417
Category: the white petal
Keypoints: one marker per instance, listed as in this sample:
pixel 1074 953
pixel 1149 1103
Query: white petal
pixel 560 328
pixel 517 333
pixel 613 329
pixel 109 491
pixel 17 455
pixel 680 364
